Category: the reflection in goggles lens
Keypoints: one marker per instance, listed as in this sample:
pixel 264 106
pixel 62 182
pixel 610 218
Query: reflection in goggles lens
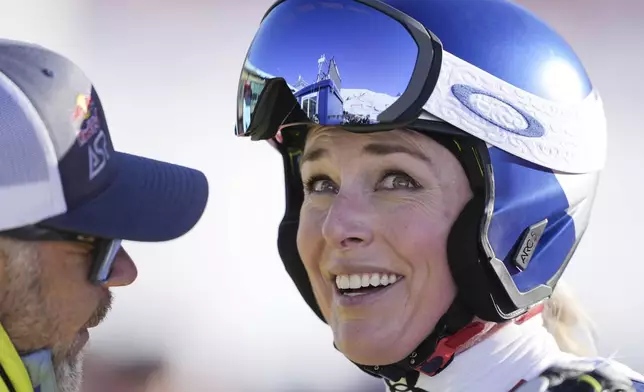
pixel 343 61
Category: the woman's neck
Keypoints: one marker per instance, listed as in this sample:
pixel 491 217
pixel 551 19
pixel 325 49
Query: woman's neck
pixel 497 360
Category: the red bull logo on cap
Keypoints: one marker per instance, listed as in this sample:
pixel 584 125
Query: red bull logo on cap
pixel 85 118
pixel 82 107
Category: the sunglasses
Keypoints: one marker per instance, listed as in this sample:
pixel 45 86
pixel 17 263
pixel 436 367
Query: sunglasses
pixel 104 249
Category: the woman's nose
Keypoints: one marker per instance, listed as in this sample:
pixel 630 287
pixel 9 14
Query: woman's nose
pixel 123 271
pixel 349 223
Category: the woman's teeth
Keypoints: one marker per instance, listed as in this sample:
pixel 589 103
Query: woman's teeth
pixel 359 281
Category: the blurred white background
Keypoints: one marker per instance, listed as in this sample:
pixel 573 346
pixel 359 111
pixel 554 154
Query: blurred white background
pixel 218 303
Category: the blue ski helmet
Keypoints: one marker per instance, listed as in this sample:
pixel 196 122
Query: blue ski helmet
pixel 490 81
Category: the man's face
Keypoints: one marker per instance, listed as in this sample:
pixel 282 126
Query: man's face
pixel 47 301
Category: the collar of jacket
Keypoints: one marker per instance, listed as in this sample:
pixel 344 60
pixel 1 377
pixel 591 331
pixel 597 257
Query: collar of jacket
pixel 30 373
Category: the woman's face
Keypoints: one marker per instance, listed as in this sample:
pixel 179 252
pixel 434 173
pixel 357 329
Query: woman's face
pixel 373 237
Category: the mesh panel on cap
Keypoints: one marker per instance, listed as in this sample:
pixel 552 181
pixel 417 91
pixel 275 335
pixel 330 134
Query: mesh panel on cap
pixel 30 187
pixel 21 155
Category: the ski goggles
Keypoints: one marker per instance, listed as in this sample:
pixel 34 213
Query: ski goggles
pixel 360 64
pixel 365 66
pixel 104 250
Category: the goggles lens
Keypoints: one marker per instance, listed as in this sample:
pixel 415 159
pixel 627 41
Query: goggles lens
pixel 334 62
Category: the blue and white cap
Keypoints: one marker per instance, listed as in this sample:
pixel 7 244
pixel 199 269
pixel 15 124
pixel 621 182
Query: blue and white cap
pixel 58 166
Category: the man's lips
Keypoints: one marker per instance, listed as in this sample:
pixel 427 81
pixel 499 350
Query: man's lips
pixel 101 311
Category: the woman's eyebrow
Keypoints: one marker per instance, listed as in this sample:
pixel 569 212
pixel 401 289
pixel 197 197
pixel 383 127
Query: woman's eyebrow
pixel 379 149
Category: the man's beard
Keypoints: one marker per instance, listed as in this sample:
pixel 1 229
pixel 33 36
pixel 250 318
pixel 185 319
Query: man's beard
pixel 69 374
pixel 69 369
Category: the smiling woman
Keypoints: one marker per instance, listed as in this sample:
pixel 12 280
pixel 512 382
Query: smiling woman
pixel 430 229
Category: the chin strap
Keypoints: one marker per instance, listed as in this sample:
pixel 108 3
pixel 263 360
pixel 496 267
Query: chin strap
pixel 447 347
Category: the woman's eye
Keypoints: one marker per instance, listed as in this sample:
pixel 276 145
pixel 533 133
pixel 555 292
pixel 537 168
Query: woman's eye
pixel 323 184
pixel 320 185
pixel 399 181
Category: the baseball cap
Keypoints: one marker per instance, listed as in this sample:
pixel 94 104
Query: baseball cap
pixel 58 166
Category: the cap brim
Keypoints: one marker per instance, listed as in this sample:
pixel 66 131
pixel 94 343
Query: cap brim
pixel 148 201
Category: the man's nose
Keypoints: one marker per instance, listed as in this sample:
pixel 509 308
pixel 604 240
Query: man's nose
pixel 123 272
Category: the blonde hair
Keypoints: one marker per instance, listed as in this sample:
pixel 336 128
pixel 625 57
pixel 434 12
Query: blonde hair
pixel 568 323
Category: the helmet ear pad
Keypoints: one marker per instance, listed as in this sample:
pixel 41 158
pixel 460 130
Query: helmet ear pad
pixel 287 246
pixel 287 232
pixel 478 292
pixel 463 255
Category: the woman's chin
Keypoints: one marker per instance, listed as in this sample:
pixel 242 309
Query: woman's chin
pixel 376 341
pixel 367 351
pixel 371 357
